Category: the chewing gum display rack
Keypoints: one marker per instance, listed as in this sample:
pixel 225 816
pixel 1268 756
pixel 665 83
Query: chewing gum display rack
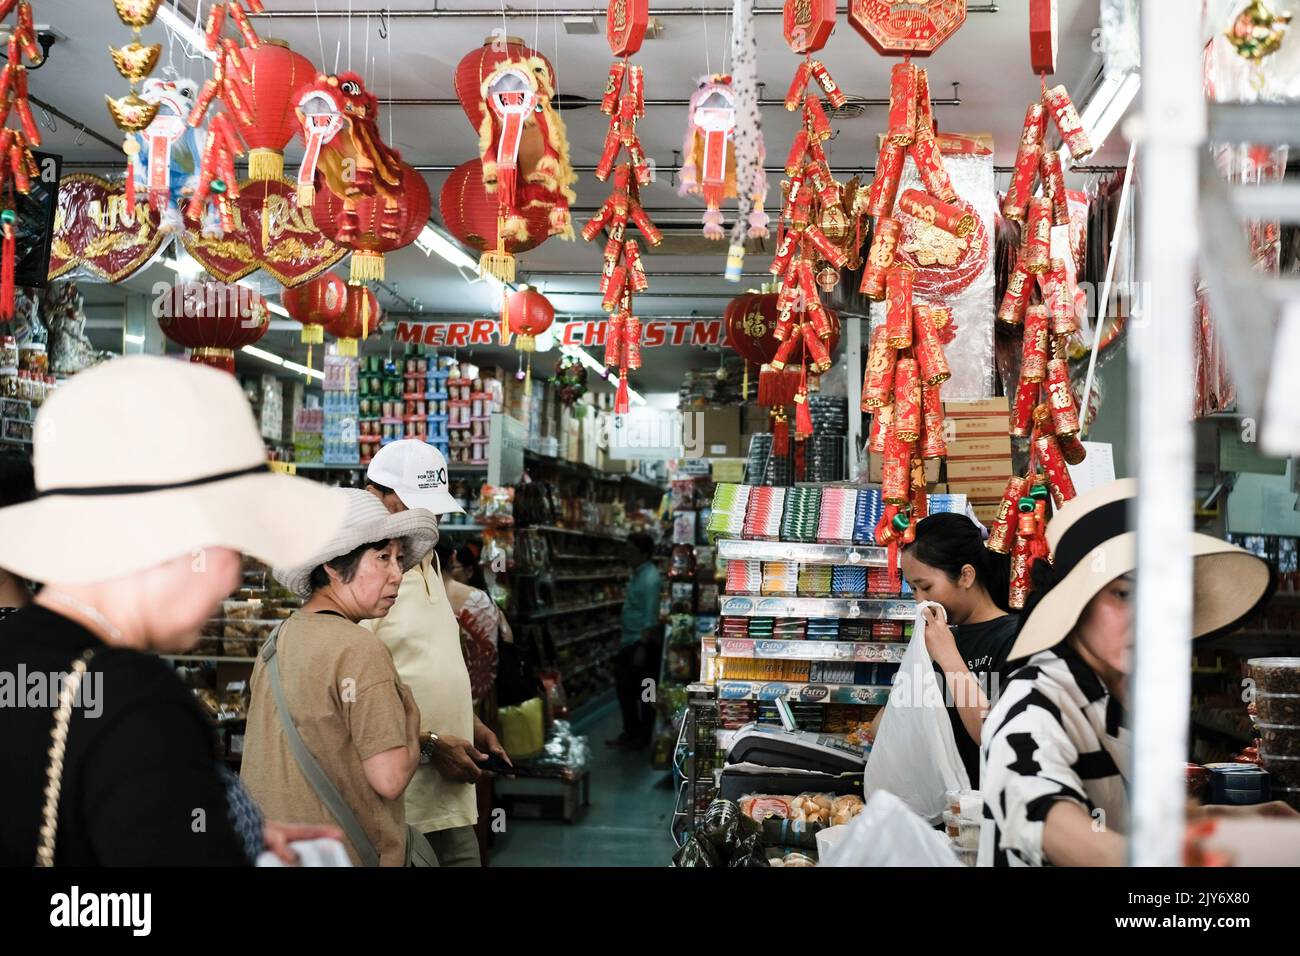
pixel 877 609
pixel 842 554
pixel 802 693
pixel 806 650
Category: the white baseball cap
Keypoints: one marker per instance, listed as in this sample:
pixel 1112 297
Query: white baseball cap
pixel 417 472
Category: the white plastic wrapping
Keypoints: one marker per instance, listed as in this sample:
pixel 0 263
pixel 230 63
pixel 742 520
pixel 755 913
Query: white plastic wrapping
pixel 965 286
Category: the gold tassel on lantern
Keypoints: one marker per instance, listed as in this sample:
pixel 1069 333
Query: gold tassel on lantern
pixel 367 266
pixel 265 164
pixel 497 262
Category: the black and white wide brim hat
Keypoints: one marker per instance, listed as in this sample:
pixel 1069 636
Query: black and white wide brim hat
pixel 1092 545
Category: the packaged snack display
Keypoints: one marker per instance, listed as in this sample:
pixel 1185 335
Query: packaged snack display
pixel 1278 708
pixel 1280 739
pixel 1275 675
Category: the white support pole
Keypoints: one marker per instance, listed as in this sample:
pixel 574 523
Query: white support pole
pixel 853 369
pixel 1161 430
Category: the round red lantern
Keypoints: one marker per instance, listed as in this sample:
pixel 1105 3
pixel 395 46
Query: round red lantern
pixel 265 118
pixel 750 322
pixel 529 314
pixel 212 319
pixel 316 304
pixel 471 214
pixel 360 319
pixel 373 225
pixel 477 65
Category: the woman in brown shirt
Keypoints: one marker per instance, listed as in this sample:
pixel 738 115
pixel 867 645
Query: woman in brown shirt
pixel 351 709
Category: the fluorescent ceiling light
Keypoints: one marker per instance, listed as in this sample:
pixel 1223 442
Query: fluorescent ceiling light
pixel 278 309
pixel 134 339
pixel 303 370
pixel 263 354
pixel 191 33
pixel 430 241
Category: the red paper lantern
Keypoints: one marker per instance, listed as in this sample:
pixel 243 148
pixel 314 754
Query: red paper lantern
pixel 750 321
pixel 270 121
pixel 475 67
pixel 471 214
pixel 360 319
pixel 316 304
pixel 374 227
pixel 529 314
pixel 212 319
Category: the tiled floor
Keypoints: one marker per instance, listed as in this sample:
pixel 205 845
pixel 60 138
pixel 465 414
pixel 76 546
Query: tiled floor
pixel 626 824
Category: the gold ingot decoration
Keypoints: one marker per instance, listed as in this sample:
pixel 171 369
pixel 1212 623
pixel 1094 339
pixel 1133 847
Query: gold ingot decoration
pixel 137 13
pixel 132 113
pixel 135 61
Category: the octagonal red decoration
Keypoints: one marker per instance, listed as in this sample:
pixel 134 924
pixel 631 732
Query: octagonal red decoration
pixel 898 27
pixel 625 25
pixel 807 24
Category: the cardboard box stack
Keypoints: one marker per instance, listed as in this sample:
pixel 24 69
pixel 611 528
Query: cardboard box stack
pixel 979 452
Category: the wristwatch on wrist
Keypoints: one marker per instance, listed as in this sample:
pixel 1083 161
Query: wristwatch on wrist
pixel 428 744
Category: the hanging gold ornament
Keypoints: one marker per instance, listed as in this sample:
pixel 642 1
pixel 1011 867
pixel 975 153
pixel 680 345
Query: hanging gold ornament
pixel 132 113
pixel 137 13
pixel 135 61
pixel 1257 30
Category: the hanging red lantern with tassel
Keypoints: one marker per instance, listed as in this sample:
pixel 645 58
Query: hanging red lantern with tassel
pixel 470 214
pixel 528 315
pixel 269 122
pixel 316 304
pixel 213 319
pixel 360 319
pixel 376 225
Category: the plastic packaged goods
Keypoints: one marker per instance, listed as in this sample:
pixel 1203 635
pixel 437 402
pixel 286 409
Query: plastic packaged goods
pixel 838 509
pixel 964 831
pixel 801 514
pixel 744 577
pixel 815 580
pixel 780 578
pixel 1280 739
pixel 1278 708
pixel 1275 675
pixel 763 517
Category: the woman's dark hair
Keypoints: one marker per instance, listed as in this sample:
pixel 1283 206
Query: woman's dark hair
pixel 16 481
pixel 444 550
pixel 345 564
pixel 949 542
pixel 466 555
pixel 642 542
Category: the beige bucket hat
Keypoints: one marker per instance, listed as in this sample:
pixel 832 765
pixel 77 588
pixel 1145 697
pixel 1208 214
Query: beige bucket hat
pixel 365 521
pixel 1092 545
pixel 144 459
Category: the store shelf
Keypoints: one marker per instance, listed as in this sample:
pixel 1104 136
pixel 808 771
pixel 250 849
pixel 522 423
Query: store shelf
pixel 583 668
pixel 732 549
pixel 588 557
pixel 560 611
pixel 590 635
pixel 802 693
pixel 552 529
pixel 882 651
pixel 461 527
pixel 579 578
pixel 873 609
pixel 320 466
pixel 191 658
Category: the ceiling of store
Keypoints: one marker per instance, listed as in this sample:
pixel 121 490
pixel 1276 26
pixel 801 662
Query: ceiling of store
pixel 988 57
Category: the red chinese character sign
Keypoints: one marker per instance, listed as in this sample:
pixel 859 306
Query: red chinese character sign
pixel 808 24
pixel 625 25
pixel 903 27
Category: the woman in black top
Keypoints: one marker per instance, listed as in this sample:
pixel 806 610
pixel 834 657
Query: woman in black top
pixel 949 565
pixel 135 534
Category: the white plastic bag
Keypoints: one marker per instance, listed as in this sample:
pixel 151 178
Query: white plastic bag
pixel 915 754
pixel 320 852
pixel 887 833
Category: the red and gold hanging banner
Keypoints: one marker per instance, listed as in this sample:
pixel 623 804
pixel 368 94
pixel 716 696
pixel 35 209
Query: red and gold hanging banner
pixel 903 27
pixel 1042 36
pixel 94 230
pixel 625 25
pixel 295 251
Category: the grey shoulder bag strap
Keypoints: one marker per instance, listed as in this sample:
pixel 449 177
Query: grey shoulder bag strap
pixel 309 766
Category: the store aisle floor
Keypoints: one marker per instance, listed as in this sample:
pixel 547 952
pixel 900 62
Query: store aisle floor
pixel 626 824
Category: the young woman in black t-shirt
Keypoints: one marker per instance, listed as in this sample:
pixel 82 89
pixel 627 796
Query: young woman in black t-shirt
pixel 948 564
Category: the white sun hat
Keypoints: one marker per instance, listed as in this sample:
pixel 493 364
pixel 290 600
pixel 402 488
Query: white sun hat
pixel 145 459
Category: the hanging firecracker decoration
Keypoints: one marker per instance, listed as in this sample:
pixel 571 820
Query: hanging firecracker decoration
pixel 167 164
pixel 360 319
pixel 623 273
pixel 256 83
pixel 814 241
pixel 375 225
pixel 506 90
pixel 708 154
pixel 316 304
pixel 338 119
pixel 529 314
pixel 131 113
pixel 906 368
pixel 213 320
pixel 17 166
